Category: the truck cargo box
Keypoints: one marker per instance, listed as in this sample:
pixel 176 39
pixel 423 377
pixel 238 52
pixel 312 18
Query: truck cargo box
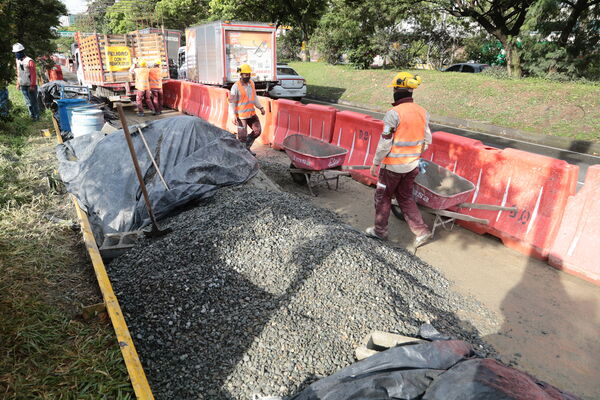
pixel 214 51
pixel 106 59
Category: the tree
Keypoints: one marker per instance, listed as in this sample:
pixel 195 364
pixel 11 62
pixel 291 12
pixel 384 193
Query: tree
pixel 93 20
pixel 501 18
pixel 564 38
pixel 128 15
pixel 180 14
pixel 30 23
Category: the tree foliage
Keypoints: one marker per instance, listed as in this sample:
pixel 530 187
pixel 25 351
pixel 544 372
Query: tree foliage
pixel 181 14
pixel 394 30
pixel 30 23
pixel 564 39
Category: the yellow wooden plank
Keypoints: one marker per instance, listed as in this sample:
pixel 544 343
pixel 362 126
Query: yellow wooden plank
pixel 132 361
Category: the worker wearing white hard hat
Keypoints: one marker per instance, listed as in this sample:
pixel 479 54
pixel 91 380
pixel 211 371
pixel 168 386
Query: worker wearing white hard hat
pixel 405 137
pixel 27 80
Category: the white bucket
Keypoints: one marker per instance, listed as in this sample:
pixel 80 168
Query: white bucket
pixel 86 121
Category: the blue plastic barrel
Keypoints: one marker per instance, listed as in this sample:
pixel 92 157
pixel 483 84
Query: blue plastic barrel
pixel 63 115
pixel 86 121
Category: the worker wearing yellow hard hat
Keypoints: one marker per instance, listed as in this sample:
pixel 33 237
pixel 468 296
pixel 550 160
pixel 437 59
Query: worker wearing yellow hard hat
pixel 142 86
pixel 242 101
pixel 405 137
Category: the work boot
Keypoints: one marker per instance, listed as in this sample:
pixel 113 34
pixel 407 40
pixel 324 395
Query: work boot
pixel 249 142
pixel 371 233
pixel 422 239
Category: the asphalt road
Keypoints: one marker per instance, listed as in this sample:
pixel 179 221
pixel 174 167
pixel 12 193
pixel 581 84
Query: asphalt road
pixel 580 159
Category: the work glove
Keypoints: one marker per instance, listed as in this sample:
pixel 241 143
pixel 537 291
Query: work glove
pixel 374 170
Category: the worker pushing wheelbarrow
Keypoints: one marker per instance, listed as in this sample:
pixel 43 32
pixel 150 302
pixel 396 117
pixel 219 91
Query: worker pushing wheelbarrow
pixel 405 179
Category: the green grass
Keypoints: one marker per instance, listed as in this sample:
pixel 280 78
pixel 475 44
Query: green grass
pixel 47 351
pixel 529 104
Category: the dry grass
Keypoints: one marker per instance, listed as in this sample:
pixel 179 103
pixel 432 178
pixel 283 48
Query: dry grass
pixel 47 351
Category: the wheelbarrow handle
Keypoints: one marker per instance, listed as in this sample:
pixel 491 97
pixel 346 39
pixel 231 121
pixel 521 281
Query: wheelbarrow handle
pixel 351 167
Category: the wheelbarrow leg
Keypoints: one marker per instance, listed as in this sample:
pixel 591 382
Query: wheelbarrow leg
pixel 309 184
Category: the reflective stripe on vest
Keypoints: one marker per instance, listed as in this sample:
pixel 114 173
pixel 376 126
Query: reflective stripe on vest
pixel 155 78
pixel 409 136
pixel 245 105
pixel 141 78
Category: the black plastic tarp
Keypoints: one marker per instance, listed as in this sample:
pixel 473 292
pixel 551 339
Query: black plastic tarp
pixel 438 370
pixel 194 157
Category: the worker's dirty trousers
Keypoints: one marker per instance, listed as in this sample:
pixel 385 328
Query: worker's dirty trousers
pixel 242 130
pixel 157 99
pixel 390 185
pixel 139 98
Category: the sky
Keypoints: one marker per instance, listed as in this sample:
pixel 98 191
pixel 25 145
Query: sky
pixel 75 6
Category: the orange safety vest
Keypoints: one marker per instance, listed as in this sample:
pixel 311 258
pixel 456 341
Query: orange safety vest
pixel 409 136
pixel 155 78
pixel 141 78
pixel 245 105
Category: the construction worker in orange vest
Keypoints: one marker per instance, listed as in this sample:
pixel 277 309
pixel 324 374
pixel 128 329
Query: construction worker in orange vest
pixel 242 101
pixel 142 87
pixel 155 79
pixel 405 136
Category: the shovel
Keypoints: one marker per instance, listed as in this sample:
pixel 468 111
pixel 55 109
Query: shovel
pixel 155 232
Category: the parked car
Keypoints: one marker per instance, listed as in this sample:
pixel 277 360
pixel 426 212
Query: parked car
pixel 289 84
pixel 466 67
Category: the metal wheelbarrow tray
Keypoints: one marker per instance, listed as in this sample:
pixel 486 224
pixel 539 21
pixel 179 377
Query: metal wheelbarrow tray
pixel 439 189
pixel 311 156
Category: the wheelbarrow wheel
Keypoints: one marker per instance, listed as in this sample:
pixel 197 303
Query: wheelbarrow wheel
pixel 397 211
pixel 297 177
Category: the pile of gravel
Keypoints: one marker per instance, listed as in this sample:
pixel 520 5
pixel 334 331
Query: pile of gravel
pixel 261 292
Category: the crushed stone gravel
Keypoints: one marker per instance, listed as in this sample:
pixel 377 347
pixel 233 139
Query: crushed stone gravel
pixel 259 292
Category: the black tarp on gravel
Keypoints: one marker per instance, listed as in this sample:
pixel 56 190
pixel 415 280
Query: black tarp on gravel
pixel 194 157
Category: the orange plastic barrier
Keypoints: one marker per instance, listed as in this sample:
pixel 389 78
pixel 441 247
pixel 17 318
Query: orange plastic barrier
pixel 217 106
pixel 538 186
pixel 576 248
pixel 204 100
pixel 266 121
pixel 359 134
pixel 186 94
pixel 311 120
pixel 171 94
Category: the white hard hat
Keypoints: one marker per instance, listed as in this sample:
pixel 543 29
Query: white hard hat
pixel 18 47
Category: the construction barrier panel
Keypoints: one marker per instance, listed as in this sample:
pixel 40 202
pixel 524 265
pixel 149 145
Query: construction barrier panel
pixel 576 248
pixel 217 106
pixel 359 134
pixel 536 185
pixel 311 120
pixel 187 105
pixel 204 100
pixel 171 94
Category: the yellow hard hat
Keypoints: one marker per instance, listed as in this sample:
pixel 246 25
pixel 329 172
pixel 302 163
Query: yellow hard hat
pixel 406 80
pixel 143 63
pixel 244 69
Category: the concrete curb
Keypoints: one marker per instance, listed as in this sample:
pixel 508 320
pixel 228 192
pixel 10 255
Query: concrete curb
pixel 579 146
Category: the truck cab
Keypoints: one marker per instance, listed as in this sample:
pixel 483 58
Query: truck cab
pixel 182 71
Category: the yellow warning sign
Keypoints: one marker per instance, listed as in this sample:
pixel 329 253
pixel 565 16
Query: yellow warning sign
pixel 119 58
